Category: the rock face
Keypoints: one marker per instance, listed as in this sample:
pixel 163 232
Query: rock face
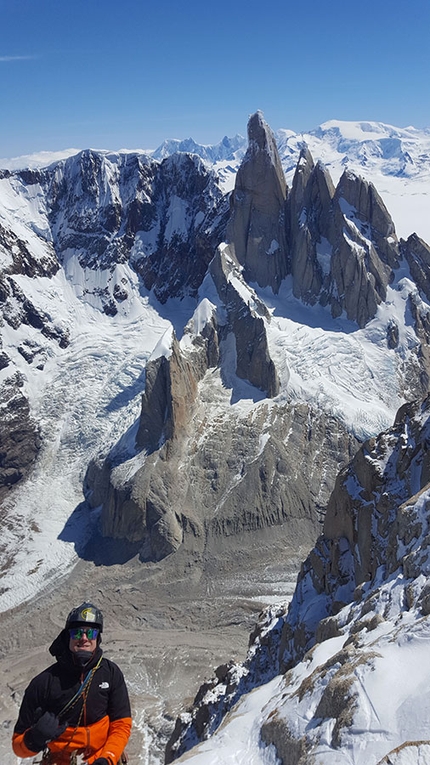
pixel 309 228
pixel 19 435
pixel 151 507
pixel 368 581
pixel 417 254
pixel 366 518
pixel 168 400
pixel 245 320
pixel 164 218
pixel 339 244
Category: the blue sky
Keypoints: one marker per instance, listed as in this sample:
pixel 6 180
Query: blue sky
pixel 129 73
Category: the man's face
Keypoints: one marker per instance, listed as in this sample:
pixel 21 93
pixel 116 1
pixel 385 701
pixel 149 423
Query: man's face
pixel 83 638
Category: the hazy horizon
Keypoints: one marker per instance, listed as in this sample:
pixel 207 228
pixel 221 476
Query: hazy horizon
pixel 131 76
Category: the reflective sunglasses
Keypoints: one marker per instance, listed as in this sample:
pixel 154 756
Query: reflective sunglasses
pixel 76 633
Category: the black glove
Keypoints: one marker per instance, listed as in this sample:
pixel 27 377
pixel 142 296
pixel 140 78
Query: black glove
pixel 45 729
pixel 101 761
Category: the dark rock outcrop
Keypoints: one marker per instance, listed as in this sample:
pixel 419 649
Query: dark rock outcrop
pixel 369 213
pixel 20 258
pixel 17 309
pixel 19 435
pixel 417 254
pixel 245 319
pixel 168 400
pixel 359 274
pixel 149 506
pixel 165 218
pixel 309 228
pixel 366 517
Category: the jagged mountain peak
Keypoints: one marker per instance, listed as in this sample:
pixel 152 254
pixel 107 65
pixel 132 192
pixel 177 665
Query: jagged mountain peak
pixel 261 139
pixel 256 229
pixel 258 130
pixel 362 195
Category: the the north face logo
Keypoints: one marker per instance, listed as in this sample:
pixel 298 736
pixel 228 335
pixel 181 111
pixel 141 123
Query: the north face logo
pixel 104 685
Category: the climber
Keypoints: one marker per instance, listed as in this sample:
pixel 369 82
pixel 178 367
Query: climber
pixel 76 710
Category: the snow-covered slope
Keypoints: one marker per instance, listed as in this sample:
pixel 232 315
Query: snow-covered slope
pixel 385 672
pixel 81 396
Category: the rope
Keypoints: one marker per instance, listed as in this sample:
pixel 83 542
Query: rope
pixel 83 691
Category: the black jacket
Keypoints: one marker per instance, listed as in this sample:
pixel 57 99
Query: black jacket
pixel 55 686
pixel 52 689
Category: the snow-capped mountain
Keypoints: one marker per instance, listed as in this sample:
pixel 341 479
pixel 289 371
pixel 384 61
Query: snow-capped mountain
pixel 231 149
pixel 396 160
pixel 184 372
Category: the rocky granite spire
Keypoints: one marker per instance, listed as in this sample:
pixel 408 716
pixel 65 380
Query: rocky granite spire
pixel 365 249
pixel 245 320
pixel 309 221
pixel 257 226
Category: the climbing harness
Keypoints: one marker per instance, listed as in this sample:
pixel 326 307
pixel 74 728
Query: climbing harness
pixel 51 758
pixel 48 758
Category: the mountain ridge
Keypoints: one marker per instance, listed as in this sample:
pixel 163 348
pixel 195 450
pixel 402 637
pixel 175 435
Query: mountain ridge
pixel 395 175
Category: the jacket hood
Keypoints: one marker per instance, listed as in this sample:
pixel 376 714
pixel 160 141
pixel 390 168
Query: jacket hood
pixel 60 644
